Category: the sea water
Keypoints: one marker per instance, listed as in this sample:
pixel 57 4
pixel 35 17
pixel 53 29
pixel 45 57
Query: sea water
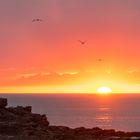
pixel 118 111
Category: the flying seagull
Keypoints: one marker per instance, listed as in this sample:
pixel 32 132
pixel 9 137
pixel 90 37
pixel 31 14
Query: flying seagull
pixel 99 59
pixel 37 20
pixel 82 42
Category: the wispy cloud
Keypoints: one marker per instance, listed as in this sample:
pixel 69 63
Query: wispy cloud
pixel 133 71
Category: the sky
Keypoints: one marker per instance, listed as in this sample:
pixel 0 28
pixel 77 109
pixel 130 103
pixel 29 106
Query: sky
pixel 46 57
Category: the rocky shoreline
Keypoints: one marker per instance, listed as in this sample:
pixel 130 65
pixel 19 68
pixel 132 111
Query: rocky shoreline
pixel 19 123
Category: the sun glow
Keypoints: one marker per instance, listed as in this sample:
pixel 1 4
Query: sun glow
pixel 104 90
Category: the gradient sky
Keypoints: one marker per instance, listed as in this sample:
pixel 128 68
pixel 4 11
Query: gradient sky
pixel 47 57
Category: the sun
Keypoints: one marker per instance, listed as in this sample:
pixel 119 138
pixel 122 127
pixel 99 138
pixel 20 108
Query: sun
pixel 104 90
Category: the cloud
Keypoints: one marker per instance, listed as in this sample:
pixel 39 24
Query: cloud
pixel 133 76
pixel 71 78
pixel 50 78
pixel 134 70
pixel 34 79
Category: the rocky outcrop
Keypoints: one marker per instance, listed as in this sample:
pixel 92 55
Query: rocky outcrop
pixel 19 123
pixel 3 103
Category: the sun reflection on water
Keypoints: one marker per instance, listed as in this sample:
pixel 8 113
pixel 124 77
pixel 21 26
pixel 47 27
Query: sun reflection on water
pixel 104 118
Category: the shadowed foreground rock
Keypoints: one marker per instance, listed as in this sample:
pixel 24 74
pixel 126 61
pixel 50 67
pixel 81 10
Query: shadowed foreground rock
pixel 3 103
pixel 19 123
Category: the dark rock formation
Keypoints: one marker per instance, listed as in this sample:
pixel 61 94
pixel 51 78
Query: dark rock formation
pixel 3 103
pixel 19 123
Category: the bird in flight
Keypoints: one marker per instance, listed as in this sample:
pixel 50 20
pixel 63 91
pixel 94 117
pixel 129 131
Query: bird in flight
pixel 82 42
pixel 100 59
pixel 37 20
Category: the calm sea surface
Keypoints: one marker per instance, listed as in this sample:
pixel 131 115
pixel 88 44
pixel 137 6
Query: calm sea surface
pixel 121 112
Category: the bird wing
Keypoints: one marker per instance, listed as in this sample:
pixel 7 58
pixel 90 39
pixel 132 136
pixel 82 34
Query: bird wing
pixel 33 20
pixel 40 20
pixel 80 41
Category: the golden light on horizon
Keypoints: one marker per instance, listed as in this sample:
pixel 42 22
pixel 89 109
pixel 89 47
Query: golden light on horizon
pixel 104 90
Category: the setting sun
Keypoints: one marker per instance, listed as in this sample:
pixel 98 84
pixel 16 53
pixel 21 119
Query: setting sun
pixel 104 90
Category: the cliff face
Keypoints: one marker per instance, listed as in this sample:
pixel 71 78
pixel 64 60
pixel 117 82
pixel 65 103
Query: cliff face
pixel 19 123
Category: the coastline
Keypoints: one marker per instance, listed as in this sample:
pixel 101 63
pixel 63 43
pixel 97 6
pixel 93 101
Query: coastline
pixel 19 123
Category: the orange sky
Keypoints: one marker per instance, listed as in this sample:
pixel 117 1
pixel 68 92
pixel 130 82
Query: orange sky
pixel 47 56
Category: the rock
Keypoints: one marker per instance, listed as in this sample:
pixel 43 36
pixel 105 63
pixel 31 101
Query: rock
pixel 19 123
pixel 108 132
pixel 28 109
pixel 19 110
pixel 3 103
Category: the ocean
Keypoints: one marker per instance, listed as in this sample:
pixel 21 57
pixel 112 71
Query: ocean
pixel 118 111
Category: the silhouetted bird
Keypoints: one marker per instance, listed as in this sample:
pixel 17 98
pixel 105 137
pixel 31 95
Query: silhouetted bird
pixel 100 59
pixel 37 20
pixel 82 42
